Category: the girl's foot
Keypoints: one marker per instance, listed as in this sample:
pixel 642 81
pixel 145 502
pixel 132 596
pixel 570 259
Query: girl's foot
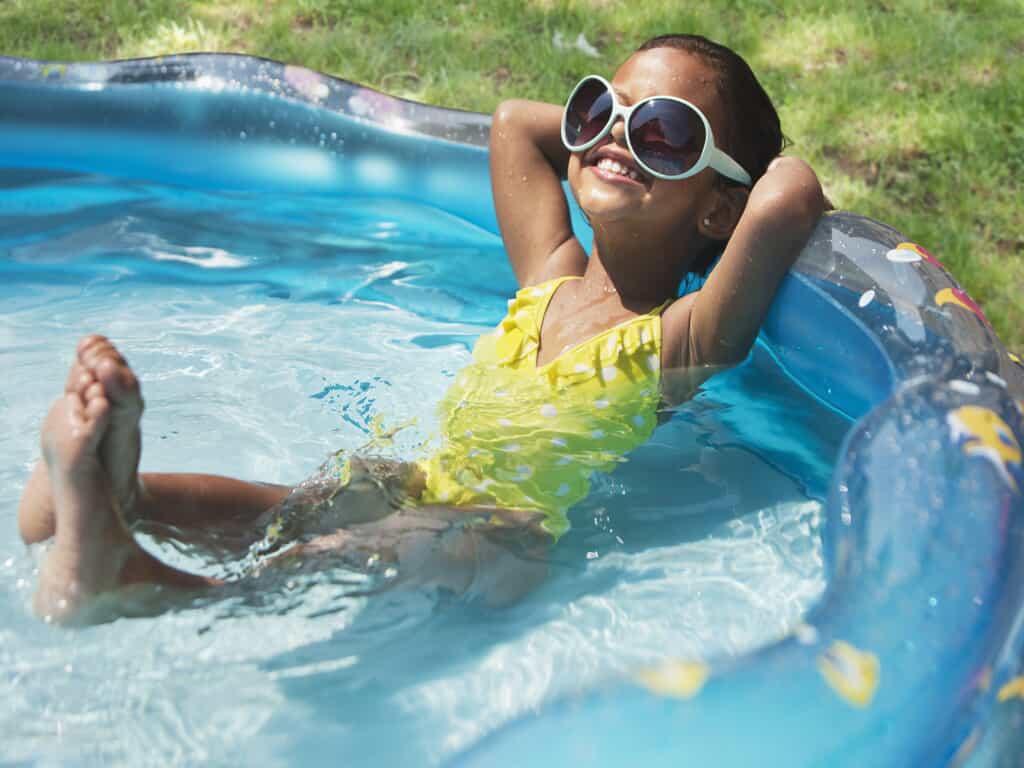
pixel 96 360
pixel 121 446
pixel 92 545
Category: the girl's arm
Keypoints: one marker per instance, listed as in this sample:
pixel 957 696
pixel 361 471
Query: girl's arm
pixel 718 324
pixel 528 162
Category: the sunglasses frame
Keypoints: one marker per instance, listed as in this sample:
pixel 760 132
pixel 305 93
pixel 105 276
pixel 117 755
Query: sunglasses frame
pixel 710 156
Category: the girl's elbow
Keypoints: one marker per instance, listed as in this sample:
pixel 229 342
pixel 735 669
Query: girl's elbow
pixel 504 112
pixel 806 205
pixel 795 205
pixel 510 115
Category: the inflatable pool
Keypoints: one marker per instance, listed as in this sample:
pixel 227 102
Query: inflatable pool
pixel 914 655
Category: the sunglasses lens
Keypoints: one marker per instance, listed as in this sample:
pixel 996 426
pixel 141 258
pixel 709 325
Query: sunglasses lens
pixel 587 113
pixel 667 136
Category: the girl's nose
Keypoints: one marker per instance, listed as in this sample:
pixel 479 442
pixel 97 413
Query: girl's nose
pixel 618 131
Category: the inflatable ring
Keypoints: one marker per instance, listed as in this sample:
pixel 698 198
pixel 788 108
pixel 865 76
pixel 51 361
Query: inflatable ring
pixel 913 656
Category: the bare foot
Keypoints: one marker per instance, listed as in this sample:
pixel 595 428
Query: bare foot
pixel 121 446
pixel 36 513
pixel 92 544
pixel 96 360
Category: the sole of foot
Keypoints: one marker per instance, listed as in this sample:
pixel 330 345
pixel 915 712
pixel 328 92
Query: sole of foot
pixel 91 543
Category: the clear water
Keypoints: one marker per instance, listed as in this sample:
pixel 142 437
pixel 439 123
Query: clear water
pixel 270 331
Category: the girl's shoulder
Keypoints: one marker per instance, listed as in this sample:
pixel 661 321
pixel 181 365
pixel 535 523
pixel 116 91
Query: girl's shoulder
pixel 568 260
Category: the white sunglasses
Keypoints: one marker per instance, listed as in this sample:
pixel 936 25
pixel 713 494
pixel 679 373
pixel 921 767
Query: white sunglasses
pixel 669 137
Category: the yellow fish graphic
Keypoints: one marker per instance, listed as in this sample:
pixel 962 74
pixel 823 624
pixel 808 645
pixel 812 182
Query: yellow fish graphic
pixel 1013 689
pixel 852 673
pixel 959 298
pixel 679 679
pixel 986 435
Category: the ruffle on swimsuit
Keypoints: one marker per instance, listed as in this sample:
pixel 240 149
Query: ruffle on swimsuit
pixel 522 437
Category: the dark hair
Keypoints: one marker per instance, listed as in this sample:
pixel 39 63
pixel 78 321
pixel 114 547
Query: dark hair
pixel 753 134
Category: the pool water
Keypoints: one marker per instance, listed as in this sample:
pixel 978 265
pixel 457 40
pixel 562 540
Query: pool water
pixel 268 331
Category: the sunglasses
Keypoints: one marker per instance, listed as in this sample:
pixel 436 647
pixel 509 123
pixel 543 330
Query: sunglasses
pixel 669 137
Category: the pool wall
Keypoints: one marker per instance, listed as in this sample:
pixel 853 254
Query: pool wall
pixel 912 657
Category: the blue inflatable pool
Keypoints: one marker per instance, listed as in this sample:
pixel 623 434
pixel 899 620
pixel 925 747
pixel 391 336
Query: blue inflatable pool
pixel 913 656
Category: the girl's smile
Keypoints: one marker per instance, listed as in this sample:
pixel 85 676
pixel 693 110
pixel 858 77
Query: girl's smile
pixel 615 165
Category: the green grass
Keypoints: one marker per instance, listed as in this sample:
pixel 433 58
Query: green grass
pixel 911 112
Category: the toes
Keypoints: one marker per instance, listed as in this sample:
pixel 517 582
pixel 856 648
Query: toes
pixel 80 383
pixel 94 349
pixel 74 407
pixel 102 362
pixel 87 348
pixel 78 416
pixel 93 392
pixel 91 413
pixel 97 411
pixel 73 382
pixel 88 341
pixel 116 377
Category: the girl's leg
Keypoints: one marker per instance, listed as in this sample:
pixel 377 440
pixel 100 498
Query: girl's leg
pixel 187 500
pixel 196 501
pixel 180 500
pixel 466 551
pixel 87 485
pixel 93 553
pixel 87 488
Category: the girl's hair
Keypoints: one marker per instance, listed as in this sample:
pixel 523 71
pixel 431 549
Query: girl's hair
pixel 753 134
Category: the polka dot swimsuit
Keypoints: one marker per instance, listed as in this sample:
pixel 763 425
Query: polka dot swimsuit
pixel 519 436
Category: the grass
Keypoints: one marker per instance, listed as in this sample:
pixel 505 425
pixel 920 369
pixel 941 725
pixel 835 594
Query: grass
pixel 910 111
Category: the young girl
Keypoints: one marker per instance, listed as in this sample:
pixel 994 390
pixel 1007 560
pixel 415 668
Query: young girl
pixel 674 158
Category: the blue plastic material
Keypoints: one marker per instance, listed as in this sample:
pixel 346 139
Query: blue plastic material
pixel 913 657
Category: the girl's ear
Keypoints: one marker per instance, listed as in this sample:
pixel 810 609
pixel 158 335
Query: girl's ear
pixel 723 212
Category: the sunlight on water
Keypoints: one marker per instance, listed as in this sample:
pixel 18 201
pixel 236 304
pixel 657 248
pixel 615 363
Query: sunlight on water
pixel 269 332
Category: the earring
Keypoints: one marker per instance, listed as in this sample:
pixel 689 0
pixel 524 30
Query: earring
pixel 707 222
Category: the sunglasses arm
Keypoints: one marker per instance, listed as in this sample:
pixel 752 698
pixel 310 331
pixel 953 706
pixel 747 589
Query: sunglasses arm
pixel 726 166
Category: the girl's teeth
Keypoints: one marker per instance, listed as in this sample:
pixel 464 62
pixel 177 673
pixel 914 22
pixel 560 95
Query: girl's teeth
pixel 607 164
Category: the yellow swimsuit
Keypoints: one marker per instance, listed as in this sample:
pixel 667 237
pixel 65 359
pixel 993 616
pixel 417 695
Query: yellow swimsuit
pixel 518 436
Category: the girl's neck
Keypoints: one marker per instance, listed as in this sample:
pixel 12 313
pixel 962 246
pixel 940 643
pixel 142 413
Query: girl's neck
pixel 642 272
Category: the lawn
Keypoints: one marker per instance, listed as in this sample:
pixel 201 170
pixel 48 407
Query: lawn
pixel 911 112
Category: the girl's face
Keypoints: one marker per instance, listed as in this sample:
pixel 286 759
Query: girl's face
pixel 607 196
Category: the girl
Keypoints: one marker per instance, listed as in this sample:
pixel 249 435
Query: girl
pixel 673 158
